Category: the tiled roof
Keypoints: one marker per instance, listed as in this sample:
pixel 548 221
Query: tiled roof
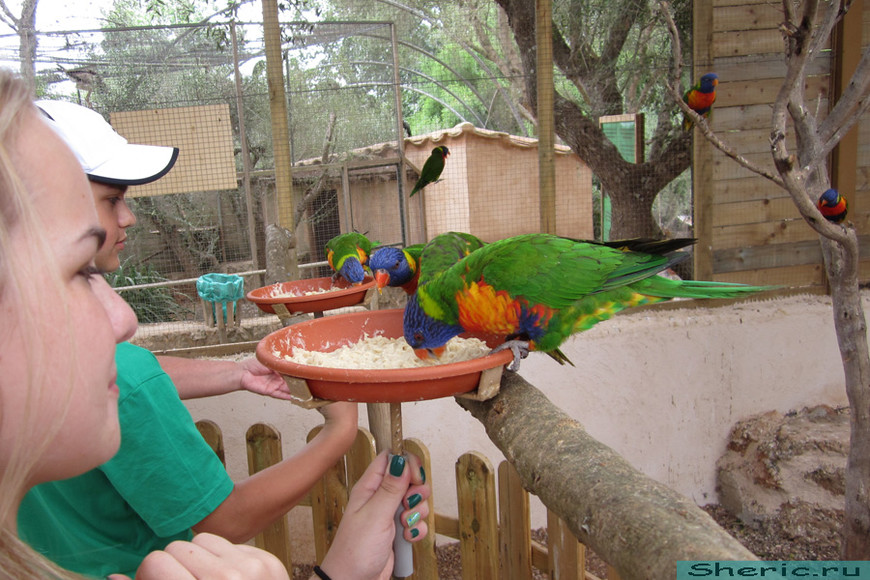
pixel 513 140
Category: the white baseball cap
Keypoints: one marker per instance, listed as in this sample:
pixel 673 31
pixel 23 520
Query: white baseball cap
pixel 105 156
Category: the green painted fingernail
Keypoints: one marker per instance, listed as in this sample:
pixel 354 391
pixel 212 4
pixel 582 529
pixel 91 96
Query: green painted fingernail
pixel 414 500
pixel 413 519
pixel 422 474
pixel 415 532
pixel 397 465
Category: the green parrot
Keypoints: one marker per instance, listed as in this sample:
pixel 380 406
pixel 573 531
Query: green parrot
pixel 347 255
pixel 443 251
pixel 432 168
pixel 539 289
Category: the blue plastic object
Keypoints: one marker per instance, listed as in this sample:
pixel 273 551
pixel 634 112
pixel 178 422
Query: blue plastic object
pixel 220 289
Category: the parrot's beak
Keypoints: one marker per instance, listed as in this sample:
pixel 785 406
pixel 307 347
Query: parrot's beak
pixel 426 353
pixel 382 277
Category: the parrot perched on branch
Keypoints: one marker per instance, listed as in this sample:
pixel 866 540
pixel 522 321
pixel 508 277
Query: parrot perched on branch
pixel 538 289
pixel 347 255
pixel 833 206
pixel 432 168
pixel 700 98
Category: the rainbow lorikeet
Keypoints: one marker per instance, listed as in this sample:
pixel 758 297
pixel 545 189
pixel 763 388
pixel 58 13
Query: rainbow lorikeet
pixel 833 206
pixel 538 289
pixel 396 267
pixel 432 168
pixel 347 254
pixel 443 251
pixel 701 97
pixel 399 267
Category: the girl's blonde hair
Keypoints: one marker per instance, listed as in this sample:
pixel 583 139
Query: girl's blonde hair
pixel 18 213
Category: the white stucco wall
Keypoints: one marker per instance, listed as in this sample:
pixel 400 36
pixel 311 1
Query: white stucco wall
pixel 663 388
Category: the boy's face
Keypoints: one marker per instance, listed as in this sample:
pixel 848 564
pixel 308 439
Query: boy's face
pixel 115 217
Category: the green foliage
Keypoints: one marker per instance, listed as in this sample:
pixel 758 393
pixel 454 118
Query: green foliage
pixel 156 304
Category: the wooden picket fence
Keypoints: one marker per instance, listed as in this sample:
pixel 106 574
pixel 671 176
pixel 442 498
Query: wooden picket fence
pixel 493 524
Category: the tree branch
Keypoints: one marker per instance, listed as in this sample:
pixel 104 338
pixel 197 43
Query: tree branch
pixel 10 19
pixel 317 187
pixel 637 525
pixel 701 122
pixel 852 103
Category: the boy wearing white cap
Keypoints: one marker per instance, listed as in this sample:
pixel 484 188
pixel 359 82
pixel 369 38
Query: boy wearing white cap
pixel 165 482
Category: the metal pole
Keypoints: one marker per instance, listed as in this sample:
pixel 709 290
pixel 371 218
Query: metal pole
pixel 280 132
pixel 246 157
pixel 400 136
pixel 546 123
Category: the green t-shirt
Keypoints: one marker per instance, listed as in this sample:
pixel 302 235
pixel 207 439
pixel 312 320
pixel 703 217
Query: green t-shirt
pixel 163 480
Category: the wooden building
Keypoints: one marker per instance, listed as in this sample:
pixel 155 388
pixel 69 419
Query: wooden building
pixel 749 229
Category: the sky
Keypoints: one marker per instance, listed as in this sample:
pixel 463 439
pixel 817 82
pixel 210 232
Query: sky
pixel 63 15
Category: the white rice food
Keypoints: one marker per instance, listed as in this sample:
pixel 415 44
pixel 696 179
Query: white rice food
pixel 275 291
pixel 380 352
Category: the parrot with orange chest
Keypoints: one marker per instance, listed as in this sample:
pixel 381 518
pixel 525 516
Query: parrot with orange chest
pixel 833 206
pixel 536 290
pixel 700 97
pixel 347 255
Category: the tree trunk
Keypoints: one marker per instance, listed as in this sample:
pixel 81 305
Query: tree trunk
pixel 637 525
pixel 631 187
pixel 841 263
pixel 27 40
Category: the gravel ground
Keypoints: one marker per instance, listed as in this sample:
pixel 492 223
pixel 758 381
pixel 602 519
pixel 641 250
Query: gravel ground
pixel 775 540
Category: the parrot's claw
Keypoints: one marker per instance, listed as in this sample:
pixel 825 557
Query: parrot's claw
pixel 520 348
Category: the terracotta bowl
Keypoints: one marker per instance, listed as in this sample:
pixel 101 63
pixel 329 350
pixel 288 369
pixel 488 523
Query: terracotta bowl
pixel 371 385
pixel 344 294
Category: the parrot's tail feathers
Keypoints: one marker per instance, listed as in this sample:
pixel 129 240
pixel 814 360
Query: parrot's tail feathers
pixel 665 288
pixel 560 357
pixel 632 276
pixel 650 245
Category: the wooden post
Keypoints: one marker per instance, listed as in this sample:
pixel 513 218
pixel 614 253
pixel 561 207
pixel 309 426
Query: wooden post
pixel 546 123
pixel 264 450
pixel 478 523
pixel 702 151
pixel 566 557
pixel 515 545
pixel 847 53
pixel 280 130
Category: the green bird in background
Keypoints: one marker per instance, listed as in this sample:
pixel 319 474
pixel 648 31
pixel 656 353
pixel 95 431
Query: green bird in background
pixel 347 254
pixel 536 290
pixel 432 168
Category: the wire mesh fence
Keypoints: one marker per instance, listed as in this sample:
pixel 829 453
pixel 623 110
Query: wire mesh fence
pixel 205 89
